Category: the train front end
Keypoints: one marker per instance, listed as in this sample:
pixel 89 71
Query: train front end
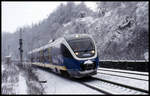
pixel 82 60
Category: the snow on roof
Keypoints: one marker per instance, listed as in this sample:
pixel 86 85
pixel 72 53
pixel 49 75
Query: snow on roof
pixel 76 36
pixel 8 56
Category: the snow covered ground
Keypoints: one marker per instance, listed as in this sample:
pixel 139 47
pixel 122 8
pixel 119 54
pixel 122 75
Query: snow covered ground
pixel 12 82
pixel 18 81
pixel 22 86
pixel 60 85
pixel 2 67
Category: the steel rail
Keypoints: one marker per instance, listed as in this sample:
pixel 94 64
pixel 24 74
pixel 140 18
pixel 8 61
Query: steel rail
pixel 122 76
pixel 124 72
pixel 123 85
pixel 97 89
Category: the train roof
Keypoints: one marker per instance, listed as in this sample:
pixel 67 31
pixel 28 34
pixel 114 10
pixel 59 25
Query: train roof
pixel 46 46
pixel 75 36
pixel 7 56
pixel 67 37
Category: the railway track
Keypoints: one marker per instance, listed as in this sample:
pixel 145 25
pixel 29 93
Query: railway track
pixel 128 72
pixel 109 87
pixel 95 88
pixel 124 74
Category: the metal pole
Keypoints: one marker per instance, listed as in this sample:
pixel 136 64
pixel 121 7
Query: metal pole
pixel 8 50
pixel 20 48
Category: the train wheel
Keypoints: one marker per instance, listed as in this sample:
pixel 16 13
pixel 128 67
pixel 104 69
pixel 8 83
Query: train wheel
pixel 56 70
pixel 64 73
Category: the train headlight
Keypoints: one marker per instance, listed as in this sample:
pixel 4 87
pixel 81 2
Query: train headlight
pixel 77 36
pixel 93 51
pixel 76 53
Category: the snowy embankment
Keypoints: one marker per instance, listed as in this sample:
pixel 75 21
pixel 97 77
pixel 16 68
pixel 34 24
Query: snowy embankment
pixel 18 80
pixel 26 80
pixel 12 81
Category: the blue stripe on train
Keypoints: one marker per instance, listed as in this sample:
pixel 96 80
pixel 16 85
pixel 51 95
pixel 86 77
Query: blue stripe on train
pixel 71 63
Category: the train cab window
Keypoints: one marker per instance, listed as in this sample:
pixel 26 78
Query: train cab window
pixel 82 44
pixel 82 47
pixel 65 52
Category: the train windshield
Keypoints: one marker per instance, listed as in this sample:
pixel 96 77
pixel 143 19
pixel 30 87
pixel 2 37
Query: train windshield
pixel 81 45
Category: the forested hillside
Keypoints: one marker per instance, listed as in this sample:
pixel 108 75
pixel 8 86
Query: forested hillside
pixel 120 29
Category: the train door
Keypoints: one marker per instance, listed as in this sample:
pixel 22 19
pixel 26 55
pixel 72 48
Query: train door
pixel 41 58
pixel 46 56
pixel 50 55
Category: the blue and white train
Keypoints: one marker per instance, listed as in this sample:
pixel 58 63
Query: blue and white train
pixel 74 55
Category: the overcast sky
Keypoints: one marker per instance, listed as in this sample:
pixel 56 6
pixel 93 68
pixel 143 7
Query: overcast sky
pixel 19 14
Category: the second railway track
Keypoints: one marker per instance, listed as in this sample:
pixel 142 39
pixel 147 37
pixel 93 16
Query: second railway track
pixel 123 76
pixel 109 87
pixel 121 71
pixel 130 75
